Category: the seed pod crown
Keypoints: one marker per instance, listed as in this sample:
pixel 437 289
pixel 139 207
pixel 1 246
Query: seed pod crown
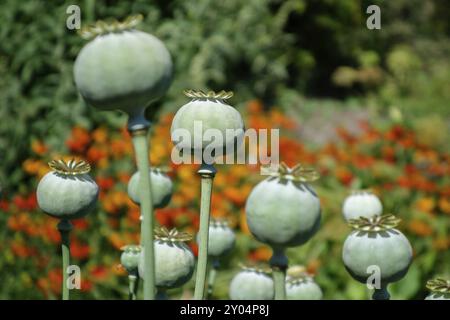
pixel 172 236
pixel 103 27
pixel 375 224
pixel 72 167
pixel 132 248
pixel 259 269
pixel 298 173
pixel 439 286
pixel 298 275
pixel 199 94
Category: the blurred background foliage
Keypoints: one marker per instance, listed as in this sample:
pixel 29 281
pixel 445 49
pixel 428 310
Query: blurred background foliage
pixel 313 61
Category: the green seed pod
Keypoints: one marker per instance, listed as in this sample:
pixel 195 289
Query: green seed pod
pixel 67 192
pixel 122 68
pixel 283 211
pixel 375 243
pixel 162 187
pixel 221 239
pixel 207 111
pixel 130 258
pixel 301 286
pixel 252 284
pixel 361 204
pixel 440 289
pixel 174 260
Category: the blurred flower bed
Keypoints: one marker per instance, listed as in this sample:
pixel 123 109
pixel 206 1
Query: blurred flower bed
pixel 399 163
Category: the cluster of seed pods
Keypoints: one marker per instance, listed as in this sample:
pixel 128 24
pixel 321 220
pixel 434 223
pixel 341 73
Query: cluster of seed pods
pixel 121 68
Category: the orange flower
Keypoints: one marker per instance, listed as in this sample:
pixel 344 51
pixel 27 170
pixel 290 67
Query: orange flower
pixel 116 240
pixel 39 147
pixel 344 175
pixel 261 254
pixel 420 228
pixel 31 166
pixel 426 204
pixel 441 243
pixel 78 250
pixel 105 183
pixel 243 223
pixel 235 195
pixel 95 154
pixel 313 266
pixel 100 135
pixel 254 106
pixel 78 140
pixel 444 205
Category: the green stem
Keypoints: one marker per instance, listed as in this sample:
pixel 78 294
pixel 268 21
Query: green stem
pixel 207 173
pixel 139 137
pixel 381 294
pixel 212 277
pixel 161 294
pixel 132 284
pixel 64 227
pixel 89 10
pixel 279 263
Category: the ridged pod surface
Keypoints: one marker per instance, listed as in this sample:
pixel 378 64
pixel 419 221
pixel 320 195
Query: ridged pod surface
pixel 282 213
pixel 123 69
pixel 207 111
pixel 221 239
pixel 251 285
pixel 67 194
pixel 373 246
pixel 161 184
pixel 361 204
pixel 174 260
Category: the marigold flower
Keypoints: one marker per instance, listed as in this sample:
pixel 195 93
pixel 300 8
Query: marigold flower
pixel 420 228
pixel 39 147
pixel 426 204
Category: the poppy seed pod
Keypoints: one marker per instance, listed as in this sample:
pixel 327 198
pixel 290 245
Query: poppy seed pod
pixel 283 210
pixel 252 284
pixel 130 258
pixel 161 184
pixel 174 260
pixel 122 68
pixel 439 288
pixel 207 121
pixel 221 239
pixel 67 192
pixel 301 286
pixel 375 243
pixel 361 204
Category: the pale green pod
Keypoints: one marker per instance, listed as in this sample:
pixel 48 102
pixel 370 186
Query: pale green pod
pixel 67 193
pixel 122 69
pixel 283 213
pixel 207 114
pixel 130 258
pixel 251 285
pixel 221 239
pixel 303 289
pixel 162 188
pixel 361 204
pixel 174 260
pixel 438 296
pixel 386 253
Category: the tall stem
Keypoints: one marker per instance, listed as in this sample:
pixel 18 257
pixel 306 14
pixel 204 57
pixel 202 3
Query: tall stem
pixel 64 227
pixel 139 137
pixel 132 279
pixel 207 173
pixel 381 294
pixel 213 266
pixel 279 263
